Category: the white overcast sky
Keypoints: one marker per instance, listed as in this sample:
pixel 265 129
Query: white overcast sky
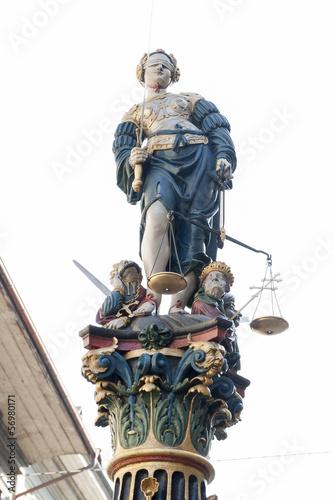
pixel 68 68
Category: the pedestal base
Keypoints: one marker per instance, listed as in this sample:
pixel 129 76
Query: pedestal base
pixel 165 390
pixel 179 475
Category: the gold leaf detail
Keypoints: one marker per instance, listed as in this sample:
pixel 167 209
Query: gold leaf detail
pixel 149 486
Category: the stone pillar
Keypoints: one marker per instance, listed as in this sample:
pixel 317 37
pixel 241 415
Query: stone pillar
pixel 164 397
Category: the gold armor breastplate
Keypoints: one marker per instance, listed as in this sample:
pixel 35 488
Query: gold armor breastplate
pixel 166 112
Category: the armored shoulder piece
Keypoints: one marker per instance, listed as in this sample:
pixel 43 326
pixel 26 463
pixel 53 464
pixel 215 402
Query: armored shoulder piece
pixel 125 135
pixel 207 117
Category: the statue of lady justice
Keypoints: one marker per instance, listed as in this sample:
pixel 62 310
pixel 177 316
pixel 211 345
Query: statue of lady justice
pixel 187 152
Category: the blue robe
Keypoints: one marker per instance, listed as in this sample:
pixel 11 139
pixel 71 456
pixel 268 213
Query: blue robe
pixel 184 180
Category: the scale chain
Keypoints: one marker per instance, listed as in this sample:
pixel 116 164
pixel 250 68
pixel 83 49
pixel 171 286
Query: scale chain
pixel 254 296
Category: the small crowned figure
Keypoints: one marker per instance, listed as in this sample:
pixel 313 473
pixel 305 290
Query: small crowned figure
pixel 214 299
pixel 188 153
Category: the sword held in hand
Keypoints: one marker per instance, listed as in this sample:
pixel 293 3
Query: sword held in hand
pixel 138 183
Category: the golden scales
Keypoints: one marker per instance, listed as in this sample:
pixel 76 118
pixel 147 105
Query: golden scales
pixel 267 325
pixel 167 282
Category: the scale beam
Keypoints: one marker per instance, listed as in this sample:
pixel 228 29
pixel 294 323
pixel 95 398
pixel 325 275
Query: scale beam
pixel 217 233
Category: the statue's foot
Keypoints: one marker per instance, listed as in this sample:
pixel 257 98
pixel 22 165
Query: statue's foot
pixel 147 307
pixel 177 308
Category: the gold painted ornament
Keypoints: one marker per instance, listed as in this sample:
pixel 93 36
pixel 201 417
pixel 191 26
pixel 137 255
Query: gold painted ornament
pixel 269 325
pixel 149 486
pixel 166 283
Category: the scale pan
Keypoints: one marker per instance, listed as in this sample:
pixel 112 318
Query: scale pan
pixel 269 325
pixel 166 283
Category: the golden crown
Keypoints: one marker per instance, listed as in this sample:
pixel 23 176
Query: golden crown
pixel 220 267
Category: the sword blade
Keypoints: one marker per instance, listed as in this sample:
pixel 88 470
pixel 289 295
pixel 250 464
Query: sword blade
pixel 93 278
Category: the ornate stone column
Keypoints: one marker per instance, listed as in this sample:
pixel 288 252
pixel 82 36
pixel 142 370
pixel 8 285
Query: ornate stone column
pixel 165 389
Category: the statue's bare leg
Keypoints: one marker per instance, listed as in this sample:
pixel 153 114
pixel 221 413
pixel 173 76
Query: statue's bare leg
pixel 179 300
pixel 152 250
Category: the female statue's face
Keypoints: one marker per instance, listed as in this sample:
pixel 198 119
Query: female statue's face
pixel 158 73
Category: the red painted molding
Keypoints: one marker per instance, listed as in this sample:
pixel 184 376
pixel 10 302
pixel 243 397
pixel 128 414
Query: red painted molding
pixel 159 458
